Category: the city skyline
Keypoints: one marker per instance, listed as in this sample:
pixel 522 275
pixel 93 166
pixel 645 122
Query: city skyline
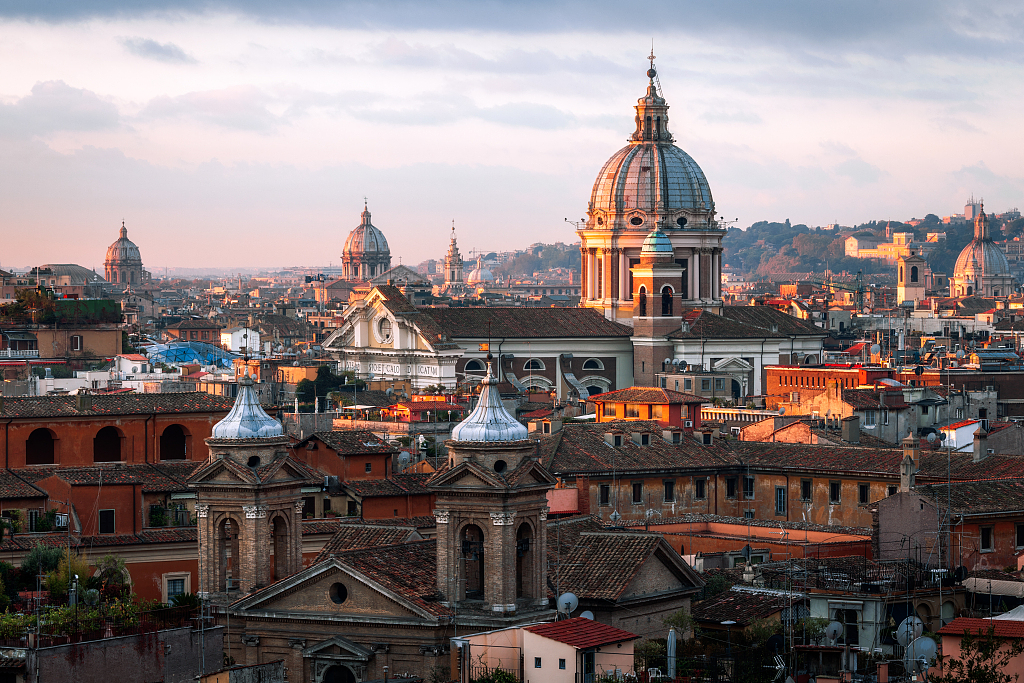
pixel 219 130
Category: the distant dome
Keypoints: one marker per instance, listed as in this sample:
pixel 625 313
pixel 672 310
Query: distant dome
pixel 982 268
pixel 657 243
pixel 366 253
pixel 480 274
pixel 123 251
pixel 247 419
pixel 366 238
pixel 981 258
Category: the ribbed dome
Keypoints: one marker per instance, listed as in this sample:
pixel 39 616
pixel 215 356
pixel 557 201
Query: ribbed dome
pixel 480 274
pixel 366 238
pixel 123 251
pixel 982 258
pixel 489 421
pixel 247 419
pixel 657 243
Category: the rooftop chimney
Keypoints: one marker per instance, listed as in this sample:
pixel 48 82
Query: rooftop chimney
pixel 83 402
pixel 851 429
pixel 980 444
pixel 907 470
pixel 912 449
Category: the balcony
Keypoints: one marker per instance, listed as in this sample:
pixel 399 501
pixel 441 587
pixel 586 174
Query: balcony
pixel 15 353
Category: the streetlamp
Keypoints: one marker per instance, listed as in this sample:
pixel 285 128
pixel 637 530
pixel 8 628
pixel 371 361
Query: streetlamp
pixel 729 623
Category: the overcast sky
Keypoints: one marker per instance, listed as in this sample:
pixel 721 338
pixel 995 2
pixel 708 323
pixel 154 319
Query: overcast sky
pixel 247 133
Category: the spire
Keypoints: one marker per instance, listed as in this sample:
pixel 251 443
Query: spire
pixel 981 223
pixel 651 111
pixel 247 419
pixel 124 231
pixel 365 215
pixel 489 421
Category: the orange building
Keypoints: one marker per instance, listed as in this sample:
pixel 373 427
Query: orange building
pixel 668 408
pixel 196 330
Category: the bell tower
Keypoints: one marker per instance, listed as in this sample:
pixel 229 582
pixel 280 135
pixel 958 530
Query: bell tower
pixel 491 512
pixel 248 502
pixel 657 306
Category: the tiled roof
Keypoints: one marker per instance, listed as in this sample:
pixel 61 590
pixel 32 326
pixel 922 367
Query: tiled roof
pixel 355 536
pixel 741 606
pixel 116 404
pixel 764 317
pixel 524 323
pixel 421 522
pixel 351 442
pixel 602 564
pixel 1004 628
pixel 395 485
pixel 581 633
pixel 647 395
pixel 409 569
pixel 870 399
pixel 154 478
pixel 700 518
pixel 972 497
pixel 961 423
pixel 13 486
pixel 702 324
pixel 194 324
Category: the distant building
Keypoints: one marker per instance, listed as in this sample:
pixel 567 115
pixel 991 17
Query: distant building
pixel 123 264
pixel 239 339
pixel 911 278
pixel 366 252
pixel 982 268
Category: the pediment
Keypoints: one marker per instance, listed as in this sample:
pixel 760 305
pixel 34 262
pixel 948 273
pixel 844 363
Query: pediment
pixel 338 647
pixel 733 363
pixel 468 475
pixel 221 471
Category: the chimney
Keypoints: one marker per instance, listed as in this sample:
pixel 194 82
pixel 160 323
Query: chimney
pixel 980 444
pixel 907 470
pixel 83 402
pixel 851 429
pixel 912 450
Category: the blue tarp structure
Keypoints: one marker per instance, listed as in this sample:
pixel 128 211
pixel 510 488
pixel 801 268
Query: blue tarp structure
pixel 177 353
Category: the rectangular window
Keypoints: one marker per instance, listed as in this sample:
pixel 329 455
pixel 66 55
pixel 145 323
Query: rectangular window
pixel 1020 535
pixel 869 418
pixel 645 439
pixel 369 467
pixel 33 517
pixel 719 384
pixel 617 440
pixel 705 385
pixel 76 342
pixel 780 500
pixel 657 411
pixel 536 662
pixel 605 494
pixel 632 411
pixel 834 491
pixel 561 663
pixel 863 494
pixel 885 417
pixel 986 539
pixel 175 587
pixel 106 521
pixel 892 490
pixel 308 507
pixel 748 488
pixel 699 489
pixel 638 492
pixel 730 487
pixel 805 489
pixel 748 514
pixel 670 490
pixel 687 384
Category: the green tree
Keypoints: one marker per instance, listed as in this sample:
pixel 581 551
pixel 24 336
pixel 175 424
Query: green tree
pixel 983 659
pixel 684 624
pixel 58 582
pixel 714 585
pixel 41 560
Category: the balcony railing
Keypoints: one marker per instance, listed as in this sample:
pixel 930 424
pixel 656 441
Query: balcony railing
pixel 14 353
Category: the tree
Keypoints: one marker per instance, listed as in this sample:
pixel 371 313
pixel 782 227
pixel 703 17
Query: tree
pixel 113 575
pixel 59 581
pixel 684 624
pixel 41 560
pixel 983 659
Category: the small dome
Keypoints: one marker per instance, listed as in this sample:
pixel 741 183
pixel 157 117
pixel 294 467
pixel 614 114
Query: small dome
pixel 123 251
pixel 657 243
pixel 247 419
pixel 480 274
pixel 489 421
pixel 366 238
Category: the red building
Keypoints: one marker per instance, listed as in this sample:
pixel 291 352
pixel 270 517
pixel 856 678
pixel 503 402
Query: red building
pixel 196 330
pixel 668 408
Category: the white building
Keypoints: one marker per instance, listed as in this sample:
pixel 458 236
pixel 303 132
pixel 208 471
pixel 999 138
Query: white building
pixel 239 339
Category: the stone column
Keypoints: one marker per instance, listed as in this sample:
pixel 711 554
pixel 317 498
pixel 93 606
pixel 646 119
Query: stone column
pixel 624 292
pixel 584 275
pixel 615 277
pixel 606 274
pixel 695 291
pixel 591 273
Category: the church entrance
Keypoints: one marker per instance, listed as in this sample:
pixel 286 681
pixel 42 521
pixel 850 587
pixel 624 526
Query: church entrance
pixel 473 561
pixel 338 674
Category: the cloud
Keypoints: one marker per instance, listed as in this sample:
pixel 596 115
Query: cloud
pixel 161 52
pixel 239 108
pixel 731 117
pixel 55 106
pixel 859 171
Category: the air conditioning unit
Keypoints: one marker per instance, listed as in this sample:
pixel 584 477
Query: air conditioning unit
pixel 794 397
pixel 688 424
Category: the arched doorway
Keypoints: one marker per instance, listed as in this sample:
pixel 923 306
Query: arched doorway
pixel 227 555
pixel 473 561
pixel 106 445
pixel 39 447
pixel 174 443
pixel 735 390
pixel 279 531
pixel 338 674
pixel 525 548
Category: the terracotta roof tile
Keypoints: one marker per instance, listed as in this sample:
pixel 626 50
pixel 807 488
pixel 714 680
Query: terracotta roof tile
pixel 352 442
pixel 741 606
pixel 581 633
pixel 648 395
pixel 116 404
pixel 395 485
pixel 1004 628
pixel 409 569
pixel 355 536
pixel 602 564
pixel 524 323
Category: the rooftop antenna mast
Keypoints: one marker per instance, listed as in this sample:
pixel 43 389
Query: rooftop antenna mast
pixel 652 72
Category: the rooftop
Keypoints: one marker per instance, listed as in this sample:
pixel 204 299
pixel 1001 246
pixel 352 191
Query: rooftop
pixel 115 404
pixel 581 633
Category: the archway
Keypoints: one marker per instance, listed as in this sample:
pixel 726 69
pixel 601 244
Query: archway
pixel 106 445
pixel 735 390
pixel 666 301
pixel 338 674
pixel 39 447
pixel 525 548
pixel 227 555
pixel 473 561
pixel 279 533
pixel 174 443
pixel 643 301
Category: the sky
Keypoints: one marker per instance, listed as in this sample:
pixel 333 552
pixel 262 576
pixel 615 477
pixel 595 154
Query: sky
pixel 248 133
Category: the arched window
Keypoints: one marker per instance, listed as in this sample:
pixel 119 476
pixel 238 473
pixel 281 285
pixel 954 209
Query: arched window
pixel 473 561
pixel 901 273
pixel 227 555
pixel 594 390
pixel 995 292
pixel 970 290
pixel 475 365
pixel 593 364
pixel 657 127
pixel 643 302
pixel 174 443
pixel 106 445
pixel 113 275
pixel 913 273
pixel 280 565
pixel 648 131
pixel 39 448
pixel 133 277
pixel 534 364
pixel 666 301
pixel 339 673
pixel 526 548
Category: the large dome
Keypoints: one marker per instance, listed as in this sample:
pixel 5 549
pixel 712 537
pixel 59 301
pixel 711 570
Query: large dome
pixel 123 251
pixel 366 238
pixel 650 183
pixel 982 258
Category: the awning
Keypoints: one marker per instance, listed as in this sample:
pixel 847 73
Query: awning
pixel 995 587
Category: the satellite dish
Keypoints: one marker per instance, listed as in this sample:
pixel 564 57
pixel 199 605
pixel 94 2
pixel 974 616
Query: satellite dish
pixel 833 631
pixel 668 361
pixel 960 353
pixel 370 375
pixel 587 615
pixel 782 410
pixel 404 458
pixel 615 516
pixel 389 391
pixel 921 654
pixel 875 349
pixel 931 438
pixel 675 361
pixel 567 602
pixel 908 630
